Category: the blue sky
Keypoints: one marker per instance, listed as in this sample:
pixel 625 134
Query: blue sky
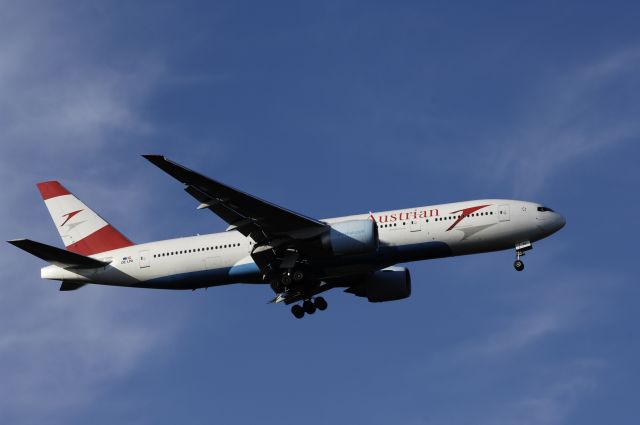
pixel 327 108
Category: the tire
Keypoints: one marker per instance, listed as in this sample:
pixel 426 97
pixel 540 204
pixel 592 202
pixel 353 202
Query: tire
pixel 320 303
pixel 297 311
pixel 308 307
pixel 518 265
pixel 298 276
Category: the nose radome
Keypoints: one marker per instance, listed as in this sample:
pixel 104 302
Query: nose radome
pixel 558 222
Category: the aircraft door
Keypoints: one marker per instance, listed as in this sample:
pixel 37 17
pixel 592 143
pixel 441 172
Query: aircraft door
pixel 144 259
pixel 503 213
pixel 415 225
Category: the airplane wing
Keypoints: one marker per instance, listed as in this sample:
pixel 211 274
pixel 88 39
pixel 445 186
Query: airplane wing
pixel 250 215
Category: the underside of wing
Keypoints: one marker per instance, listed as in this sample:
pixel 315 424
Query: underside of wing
pixel 250 215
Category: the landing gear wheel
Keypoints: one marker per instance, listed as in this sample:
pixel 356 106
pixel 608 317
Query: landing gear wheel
pixel 518 265
pixel 286 280
pixel 297 311
pixel 298 276
pixel 308 307
pixel 320 303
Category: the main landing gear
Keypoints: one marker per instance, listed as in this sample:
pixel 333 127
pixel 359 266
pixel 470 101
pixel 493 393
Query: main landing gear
pixel 291 276
pixel 287 279
pixel 309 307
pixel 520 250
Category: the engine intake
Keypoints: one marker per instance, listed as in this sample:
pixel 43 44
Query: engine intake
pixel 390 284
pixel 351 237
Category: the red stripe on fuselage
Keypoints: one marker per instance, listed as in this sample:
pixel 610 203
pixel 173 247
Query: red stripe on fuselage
pixel 102 240
pixel 52 189
pixel 465 213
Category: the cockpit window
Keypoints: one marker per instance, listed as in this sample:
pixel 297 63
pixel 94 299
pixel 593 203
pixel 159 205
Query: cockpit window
pixel 543 209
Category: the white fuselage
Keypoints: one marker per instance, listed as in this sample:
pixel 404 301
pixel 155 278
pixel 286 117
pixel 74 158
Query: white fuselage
pixel 404 235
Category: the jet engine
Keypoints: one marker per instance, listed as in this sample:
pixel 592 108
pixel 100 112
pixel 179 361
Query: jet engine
pixel 351 237
pixel 390 284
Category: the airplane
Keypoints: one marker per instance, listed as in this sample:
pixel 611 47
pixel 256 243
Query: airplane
pixel 300 257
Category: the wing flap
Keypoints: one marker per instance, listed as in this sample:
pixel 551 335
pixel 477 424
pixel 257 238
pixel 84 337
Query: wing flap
pixel 293 296
pixel 56 256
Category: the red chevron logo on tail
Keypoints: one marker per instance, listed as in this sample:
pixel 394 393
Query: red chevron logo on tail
pixel 70 216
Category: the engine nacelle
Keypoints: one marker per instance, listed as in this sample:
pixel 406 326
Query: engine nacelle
pixel 390 284
pixel 351 237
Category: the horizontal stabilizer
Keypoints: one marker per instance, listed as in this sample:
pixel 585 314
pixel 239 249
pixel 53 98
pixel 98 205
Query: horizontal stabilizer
pixel 56 256
pixel 71 286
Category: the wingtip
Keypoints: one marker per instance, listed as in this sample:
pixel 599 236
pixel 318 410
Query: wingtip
pixel 153 156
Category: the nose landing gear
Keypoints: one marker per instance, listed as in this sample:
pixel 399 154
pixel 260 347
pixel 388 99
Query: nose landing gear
pixel 309 307
pixel 520 250
pixel 518 265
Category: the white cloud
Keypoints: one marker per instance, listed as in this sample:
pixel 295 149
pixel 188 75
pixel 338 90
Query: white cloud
pixel 61 349
pixel 569 117
pixel 518 352
pixel 552 402
pixel 61 114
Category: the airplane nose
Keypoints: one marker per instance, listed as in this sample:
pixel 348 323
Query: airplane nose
pixel 553 223
pixel 561 221
pixel 557 222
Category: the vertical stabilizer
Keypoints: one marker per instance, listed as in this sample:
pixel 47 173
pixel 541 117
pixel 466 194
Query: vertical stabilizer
pixel 81 229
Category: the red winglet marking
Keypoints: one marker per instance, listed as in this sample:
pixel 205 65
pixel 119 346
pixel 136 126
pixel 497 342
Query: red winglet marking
pixel 51 189
pixel 465 213
pixel 102 240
